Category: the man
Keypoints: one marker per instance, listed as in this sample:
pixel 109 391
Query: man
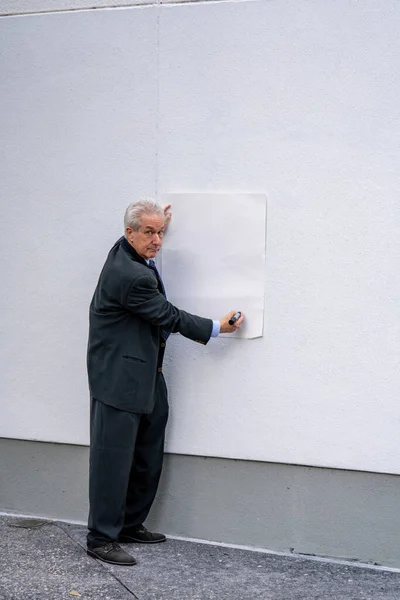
pixel 130 320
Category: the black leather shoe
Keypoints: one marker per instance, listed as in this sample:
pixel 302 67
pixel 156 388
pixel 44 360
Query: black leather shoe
pixel 140 535
pixel 112 553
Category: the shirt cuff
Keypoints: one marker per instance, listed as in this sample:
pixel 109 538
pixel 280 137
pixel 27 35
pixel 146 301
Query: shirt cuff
pixel 216 329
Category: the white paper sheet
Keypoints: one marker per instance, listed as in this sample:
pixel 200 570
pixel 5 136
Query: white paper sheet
pixel 213 256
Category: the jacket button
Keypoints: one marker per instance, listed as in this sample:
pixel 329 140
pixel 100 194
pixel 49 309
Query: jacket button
pixel 159 369
pixel 162 345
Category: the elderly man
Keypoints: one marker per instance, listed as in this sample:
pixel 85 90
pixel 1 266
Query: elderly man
pixel 130 320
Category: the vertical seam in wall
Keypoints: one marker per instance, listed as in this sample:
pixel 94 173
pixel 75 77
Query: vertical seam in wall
pixel 157 99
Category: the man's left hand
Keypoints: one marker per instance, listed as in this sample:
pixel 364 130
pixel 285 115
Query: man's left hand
pixel 167 215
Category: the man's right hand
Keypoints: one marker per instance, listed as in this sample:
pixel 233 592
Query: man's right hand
pixel 225 327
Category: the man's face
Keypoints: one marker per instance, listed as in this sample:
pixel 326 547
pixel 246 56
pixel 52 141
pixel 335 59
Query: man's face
pixel 148 240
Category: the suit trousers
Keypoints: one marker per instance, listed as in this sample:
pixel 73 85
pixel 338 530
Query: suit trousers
pixel 126 456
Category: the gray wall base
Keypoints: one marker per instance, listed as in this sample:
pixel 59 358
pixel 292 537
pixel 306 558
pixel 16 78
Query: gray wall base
pixel 309 510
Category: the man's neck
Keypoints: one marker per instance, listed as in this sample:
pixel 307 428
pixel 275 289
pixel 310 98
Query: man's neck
pixel 129 248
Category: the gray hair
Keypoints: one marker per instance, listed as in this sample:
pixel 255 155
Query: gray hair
pixel 135 211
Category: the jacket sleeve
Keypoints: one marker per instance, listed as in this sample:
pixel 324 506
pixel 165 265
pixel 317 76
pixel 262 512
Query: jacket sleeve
pixel 145 301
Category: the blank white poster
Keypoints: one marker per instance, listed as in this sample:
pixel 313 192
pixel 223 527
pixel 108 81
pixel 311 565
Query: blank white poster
pixel 213 257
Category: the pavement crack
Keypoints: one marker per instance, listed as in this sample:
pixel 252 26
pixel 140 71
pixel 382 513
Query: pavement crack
pixel 99 562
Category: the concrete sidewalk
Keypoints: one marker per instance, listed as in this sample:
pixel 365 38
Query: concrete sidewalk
pixel 44 560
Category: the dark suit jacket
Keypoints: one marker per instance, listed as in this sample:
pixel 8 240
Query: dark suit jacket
pixel 128 313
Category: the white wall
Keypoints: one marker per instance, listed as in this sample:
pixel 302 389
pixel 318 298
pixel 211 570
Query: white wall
pixel 79 96
pixel 295 99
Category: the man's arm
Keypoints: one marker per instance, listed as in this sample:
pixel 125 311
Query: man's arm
pixel 145 301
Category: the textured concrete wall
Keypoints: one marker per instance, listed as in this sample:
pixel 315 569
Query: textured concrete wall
pixel 327 512
pixel 295 99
